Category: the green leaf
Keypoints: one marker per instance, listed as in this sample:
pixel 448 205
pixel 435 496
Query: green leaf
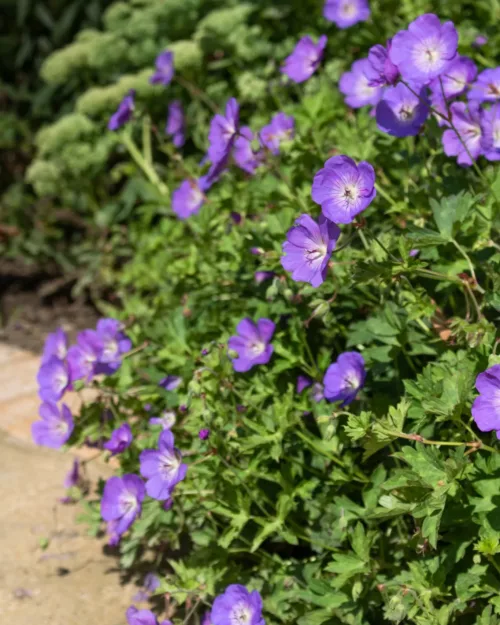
pixel 450 211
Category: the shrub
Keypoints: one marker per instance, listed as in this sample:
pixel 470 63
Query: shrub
pixel 292 401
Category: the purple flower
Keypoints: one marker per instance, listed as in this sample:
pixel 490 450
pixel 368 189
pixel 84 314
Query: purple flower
pixel 480 40
pixel 356 87
pixel 439 105
pixel 317 392
pixel 167 504
pixel 490 123
pixel 281 128
pixel 345 377
pixel 166 420
pixel 164 69
pixel 163 468
pixel 236 217
pixel 345 13
pixel 305 59
pixel 114 343
pixel 426 50
pixel 142 617
pixel 256 251
pixel 252 343
pixel 189 197
pixel 147 407
pixel 207 619
pixel 55 427
pixel 83 357
pixel 53 379
pixel 121 503
pixel 73 476
pixel 124 112
pixel 400 112
pixel 468 125
pixel 380 71
pixel 175 124
pixel 244 156
pixel 262 276
pixel 120 440
pixel 203 434
pixel 170 382
pixel 486 407
pixel 461 72
pixel 414 252
pixel 151 582
pixel 308 247
pixel 487 86
pixel 344 189
pixel 222 133
pixel 238 606
pixel 56 344
pixel 303 382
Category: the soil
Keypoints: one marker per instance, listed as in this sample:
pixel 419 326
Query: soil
pixel 35 301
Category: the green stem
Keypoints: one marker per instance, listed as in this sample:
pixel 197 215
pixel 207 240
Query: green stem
pixel 197 93
pixel 140 161
pixel 146 140
pixel 384 194
pixel 377 240
pixel 469 262
pixel 425 441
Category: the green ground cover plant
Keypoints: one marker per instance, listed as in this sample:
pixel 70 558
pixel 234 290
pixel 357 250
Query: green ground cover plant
pixel 302 387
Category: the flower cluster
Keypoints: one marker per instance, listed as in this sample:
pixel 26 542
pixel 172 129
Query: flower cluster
pixel 418 73
pixel 98 351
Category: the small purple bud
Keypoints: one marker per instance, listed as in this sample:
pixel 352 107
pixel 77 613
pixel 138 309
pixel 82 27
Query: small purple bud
pixel 168 503
pixel 256 251
pixel 236 217
pixel 147 407
pixel 480 40
pixel 204 352
pixel 241 408
pixel 303 382
pixel 183 408
pixel 204 434
pixel 414 252
pixel 170 382
pixel 262 276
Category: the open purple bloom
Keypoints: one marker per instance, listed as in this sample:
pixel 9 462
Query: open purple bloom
pixel 123 113
pixel 426 50
pixel 487 86
pixel 305 59
pixel 486 407
pixel 114 343
pixel 73 476
pixel 467 121
pixel 121 503
pixel 55 426
pixel 203 434
pixel 189 197
pixel 142 617
pixel 252 343
pixel 166 420
pixel 303 382
pixel 56 344
pixel 346 13
pixel 380 70
pixel 83 357
pixel 175 123
pixel 281 128
pixel 237 606
pixel 170 382
pixel 356 86
pixel 400 112
pixel 243 155
pixel 308 247
pixel 53 379
pixel 459 75
pixel 490 123
pixel 164 69
pixel 120 440
pixel 262 276
pixel 223 132
pixel 344 189
pixel 163 468
pixel 344 378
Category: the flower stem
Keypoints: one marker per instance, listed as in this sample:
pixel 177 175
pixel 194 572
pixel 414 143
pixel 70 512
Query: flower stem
pixel 469 262
pixel 141 162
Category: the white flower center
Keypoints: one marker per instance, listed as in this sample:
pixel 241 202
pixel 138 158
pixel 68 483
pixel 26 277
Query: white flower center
pixel 241 614
pixel 169 464
pixel 61 380
pixel 496 135
pixel 407 113
pixel 61 427
pixel 348 9
pixel 257 348
pixel 110 348
pixel 427 55
pixel 316 254
pixel 493 90
pixel 128 503
pixel 350 193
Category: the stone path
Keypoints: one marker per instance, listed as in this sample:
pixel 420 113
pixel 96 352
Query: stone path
pixel 71 581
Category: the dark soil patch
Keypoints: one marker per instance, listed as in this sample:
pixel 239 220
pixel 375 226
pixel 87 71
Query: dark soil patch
pixel 35 301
